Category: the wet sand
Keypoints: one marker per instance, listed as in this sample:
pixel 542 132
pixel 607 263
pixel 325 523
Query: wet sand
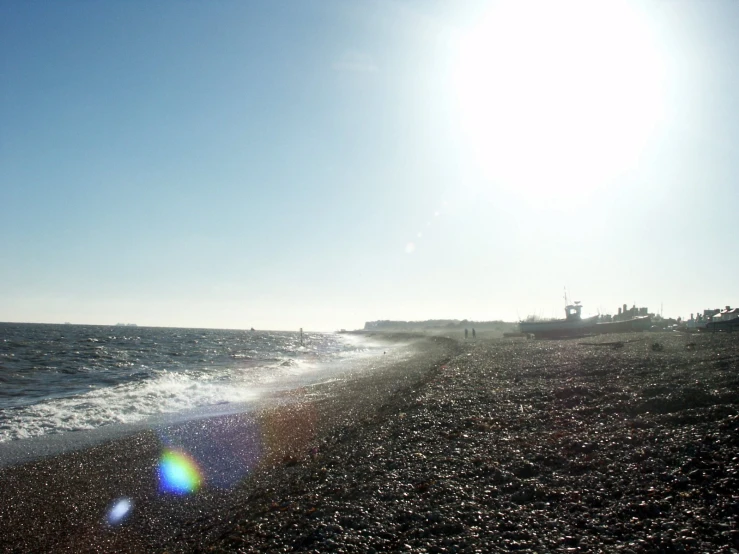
pixel 621 442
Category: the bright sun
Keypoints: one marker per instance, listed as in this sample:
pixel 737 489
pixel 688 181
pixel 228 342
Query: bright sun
pixel 558 97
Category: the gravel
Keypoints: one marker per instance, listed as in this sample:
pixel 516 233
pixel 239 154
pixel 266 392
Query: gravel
pixel 538 446
pixel 591 445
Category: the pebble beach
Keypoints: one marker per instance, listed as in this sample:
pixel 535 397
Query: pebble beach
pixel 626 443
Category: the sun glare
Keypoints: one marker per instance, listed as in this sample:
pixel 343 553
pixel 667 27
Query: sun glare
pixel 556 98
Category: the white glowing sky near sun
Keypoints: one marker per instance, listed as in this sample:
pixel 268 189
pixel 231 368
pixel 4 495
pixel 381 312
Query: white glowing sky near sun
pixel 558 96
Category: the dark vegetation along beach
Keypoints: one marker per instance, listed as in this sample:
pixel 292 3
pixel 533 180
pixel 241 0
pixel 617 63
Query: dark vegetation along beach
pixel 625 443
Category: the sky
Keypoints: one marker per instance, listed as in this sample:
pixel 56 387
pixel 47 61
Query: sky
pixel 320 164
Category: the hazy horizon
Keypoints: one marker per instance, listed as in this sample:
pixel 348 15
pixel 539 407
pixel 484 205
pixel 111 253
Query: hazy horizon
pixel 321 164
pixel 133 324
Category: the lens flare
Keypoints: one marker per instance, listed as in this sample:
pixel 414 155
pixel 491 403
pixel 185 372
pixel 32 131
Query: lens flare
pixel 178 473
pixel 225 450
pixel 119 511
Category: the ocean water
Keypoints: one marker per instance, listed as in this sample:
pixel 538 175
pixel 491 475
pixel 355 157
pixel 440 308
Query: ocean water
pixel 59 378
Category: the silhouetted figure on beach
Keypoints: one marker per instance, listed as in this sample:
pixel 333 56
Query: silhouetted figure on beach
pixel 473 333
pixel 465 332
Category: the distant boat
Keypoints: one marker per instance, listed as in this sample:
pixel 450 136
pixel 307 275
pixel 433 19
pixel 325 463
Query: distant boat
pixel 572 326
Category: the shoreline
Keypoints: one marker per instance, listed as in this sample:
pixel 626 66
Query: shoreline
pixel 59 503
pixel 29 449
pixel 622 442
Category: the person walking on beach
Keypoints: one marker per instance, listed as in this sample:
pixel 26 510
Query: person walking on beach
pixel 465 332
pixel 473 333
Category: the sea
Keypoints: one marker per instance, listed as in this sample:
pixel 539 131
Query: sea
pixel 61 379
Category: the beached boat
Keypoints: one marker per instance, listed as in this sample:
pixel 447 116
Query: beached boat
pixel 574 325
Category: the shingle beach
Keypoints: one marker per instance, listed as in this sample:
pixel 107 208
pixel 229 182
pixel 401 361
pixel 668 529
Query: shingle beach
pixel 625 443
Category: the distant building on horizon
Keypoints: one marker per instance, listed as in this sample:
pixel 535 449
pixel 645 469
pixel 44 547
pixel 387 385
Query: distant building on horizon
pixel 625 312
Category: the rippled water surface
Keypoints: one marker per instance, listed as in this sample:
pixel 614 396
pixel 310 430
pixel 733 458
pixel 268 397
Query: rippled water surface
pixel 64 377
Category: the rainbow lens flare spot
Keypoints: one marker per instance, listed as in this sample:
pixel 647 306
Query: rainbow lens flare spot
pixel 119 511
pixel 178 473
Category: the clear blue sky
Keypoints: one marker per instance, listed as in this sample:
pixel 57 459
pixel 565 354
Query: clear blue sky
pixel 320 164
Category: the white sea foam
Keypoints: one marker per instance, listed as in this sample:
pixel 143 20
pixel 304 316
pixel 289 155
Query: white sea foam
pixel 169 392
pixel 197 382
